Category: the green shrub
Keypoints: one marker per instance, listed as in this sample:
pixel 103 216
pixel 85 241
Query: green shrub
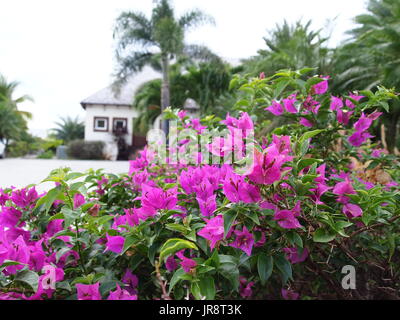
pixel 49 154
pixel 86 150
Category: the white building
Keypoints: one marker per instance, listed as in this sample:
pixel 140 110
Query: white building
pixel 109 114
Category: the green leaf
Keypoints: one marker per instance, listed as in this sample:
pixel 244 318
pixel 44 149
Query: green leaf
pixel 7 263
pixel 295 239
pixel 175 245
pixel 176 278
pixel 29 277
pixel 207 287
pixel 281 85
pixel 230 271
pixel 49 199
pixel 152 252
pixel 61 252
pixel 322 235
pixel 213 260
pixel 253 216
pixel 229 218
pixel 309 135
pixel 129 241
pixel 284 267
pixel 195 290
pixel 177 227
pixel 58 216
pixel 69 215
pixel 265 265
pixel 307 162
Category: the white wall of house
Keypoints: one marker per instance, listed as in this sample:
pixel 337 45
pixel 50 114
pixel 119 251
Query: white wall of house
pixel 109 112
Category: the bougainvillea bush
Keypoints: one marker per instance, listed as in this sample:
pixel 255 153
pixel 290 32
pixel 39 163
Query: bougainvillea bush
pixel 320 194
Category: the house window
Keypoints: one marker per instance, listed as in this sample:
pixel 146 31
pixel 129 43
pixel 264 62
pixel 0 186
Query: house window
pixel 100 124
pixel 120 125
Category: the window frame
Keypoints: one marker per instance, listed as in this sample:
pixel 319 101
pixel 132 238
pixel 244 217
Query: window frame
pixel 125 129
pixel 96 129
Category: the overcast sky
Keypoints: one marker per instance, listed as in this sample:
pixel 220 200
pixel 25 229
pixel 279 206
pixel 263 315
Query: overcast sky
pixel 62 51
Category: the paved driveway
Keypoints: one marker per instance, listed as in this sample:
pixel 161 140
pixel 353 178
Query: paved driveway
pixel 22 172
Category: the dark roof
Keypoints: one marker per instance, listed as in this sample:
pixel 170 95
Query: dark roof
pixel 125 97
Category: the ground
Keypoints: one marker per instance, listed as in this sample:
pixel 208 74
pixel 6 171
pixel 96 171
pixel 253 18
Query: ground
pixel 22 172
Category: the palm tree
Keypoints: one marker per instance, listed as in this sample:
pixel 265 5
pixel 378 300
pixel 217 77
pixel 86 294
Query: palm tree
pixel 69 129
pixel 291 47
pixel 372 57
pixel 13 122
pixel 156 42
pixel 203 82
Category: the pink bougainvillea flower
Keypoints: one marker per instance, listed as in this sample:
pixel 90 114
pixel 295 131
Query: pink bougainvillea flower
pixel 182 114
pixel 355 97
pixel 115 244
pixel 376 153
pixel 140 178
pixel 343 116
pixel 276 108
pixel 229 121
pixel 390 184
pixel 204 189
pixel 289 295
pixel 208 206
pixel 245 122
pixel 358 138
pixel 262 75
pixel 321 170
pixel 245 288
pixel 196 125
pixel 131 281
pixel 88 291
pixel 120 294
pixel 213 231
pixel 293 256
pixel 267 166
pixel 171 264
pixel 321 87
pixel 343 188
pixel 267 205
pixel 311 105
pixel 374 115
pixel 37 257
pixel 9 217
pixel 24 198
pixel 79 200
pixel 336 103
pixel 18 251
pixel 352 210
pixel 261 241
pixel 157 198
pixel 287 219
pixel 363 123
pixel 289 104
pixel 306 123
pixel 368 185
pixel 282 143
pixel 190 178
pixel 318 191
pixel 236 189
pixel 244 241
pixel 3 197
pixel 188 265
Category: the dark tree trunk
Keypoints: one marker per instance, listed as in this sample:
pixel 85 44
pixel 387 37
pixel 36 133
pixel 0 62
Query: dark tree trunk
pixel 392 131
pixel 165 93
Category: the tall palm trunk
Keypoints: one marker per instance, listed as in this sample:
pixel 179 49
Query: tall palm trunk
pixel 165 94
